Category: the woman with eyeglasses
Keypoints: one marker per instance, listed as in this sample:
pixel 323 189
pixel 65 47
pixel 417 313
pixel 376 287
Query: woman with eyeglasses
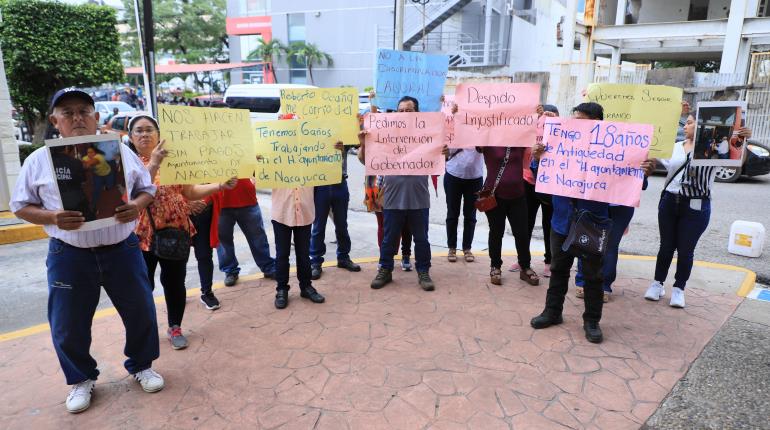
pixel 170 209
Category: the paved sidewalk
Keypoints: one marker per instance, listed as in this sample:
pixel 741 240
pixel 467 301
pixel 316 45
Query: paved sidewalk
pixel 463 356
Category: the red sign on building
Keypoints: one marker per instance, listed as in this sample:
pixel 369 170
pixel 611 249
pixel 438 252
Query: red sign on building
pixel 251 25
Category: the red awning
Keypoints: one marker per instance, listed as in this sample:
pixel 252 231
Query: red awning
pixel 189 68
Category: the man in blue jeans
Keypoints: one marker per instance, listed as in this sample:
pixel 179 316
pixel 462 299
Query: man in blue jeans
pixel 239 205
pixel 81 263
pixel 334 198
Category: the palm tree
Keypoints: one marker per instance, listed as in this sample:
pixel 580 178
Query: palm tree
pixel 268 52
pixel 309 54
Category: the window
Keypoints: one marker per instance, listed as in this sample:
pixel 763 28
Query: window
pixel 253 7
pixel 249 44
pixel 255 104
pixel 297 72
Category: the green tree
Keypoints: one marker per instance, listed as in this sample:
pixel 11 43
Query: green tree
pixel 308 54
pixel 49 46
pixel 708 66
pixel 268 52
pixel 190 31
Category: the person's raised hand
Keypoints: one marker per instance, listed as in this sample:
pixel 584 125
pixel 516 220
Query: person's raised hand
pixel 648 166
pixel 158 154
pixel 362 136
pixel 230 184
pixel 744 132
pixel 445 151
pixel 454 108
pixel 539 110
pixel 68 220
pixel 339 146
pixel 538 150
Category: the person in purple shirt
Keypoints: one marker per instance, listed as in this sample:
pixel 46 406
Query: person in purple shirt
pixel 561 261
pixel 511 205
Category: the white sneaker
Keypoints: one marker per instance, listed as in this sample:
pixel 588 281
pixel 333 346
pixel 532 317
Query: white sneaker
pixel 79 398
pixel 655 292
pixel 677 298
pixel 150 380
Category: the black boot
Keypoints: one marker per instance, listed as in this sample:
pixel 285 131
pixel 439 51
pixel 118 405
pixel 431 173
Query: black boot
pixel 281 299
pixel 593 331
pixel 545 320
pixel 312 294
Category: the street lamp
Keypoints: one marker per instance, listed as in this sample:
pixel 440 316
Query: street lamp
pixel 424 41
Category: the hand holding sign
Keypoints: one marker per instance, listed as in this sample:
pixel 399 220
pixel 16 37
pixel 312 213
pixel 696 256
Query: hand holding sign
pixel 496 115
pixel 594 160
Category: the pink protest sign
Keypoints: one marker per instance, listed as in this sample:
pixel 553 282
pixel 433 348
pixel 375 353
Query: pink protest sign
pixel 404 143
pixel 594 160
pixel 447 105
pixel 496 115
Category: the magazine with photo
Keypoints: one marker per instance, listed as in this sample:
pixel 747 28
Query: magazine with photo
pixel 716 141
pixel 89 174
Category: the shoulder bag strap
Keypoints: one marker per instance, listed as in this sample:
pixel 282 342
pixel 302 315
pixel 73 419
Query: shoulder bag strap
pixel 502 169
pixel 149 214
pixel 682 167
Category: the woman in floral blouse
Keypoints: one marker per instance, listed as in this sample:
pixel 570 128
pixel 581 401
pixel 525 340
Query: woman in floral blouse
pixel 169 210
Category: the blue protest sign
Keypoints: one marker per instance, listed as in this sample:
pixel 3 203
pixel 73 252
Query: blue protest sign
pixel 406 73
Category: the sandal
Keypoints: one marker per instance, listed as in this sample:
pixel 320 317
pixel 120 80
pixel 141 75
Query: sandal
pixel 496 276
pixel 529 276
pixel 452 255
pixel 468 256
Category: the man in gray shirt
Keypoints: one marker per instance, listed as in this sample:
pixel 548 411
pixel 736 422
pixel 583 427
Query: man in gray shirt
pixel 406 200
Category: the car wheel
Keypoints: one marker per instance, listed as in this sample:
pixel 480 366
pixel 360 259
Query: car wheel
pixel 728 174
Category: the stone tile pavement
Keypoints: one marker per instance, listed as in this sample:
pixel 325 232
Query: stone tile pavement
pixel 462 357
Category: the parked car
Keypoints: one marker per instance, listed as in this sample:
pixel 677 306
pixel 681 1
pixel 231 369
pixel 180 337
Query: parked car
pixel 262 100
pixel 105 109
pixel 756 162
pixel 118 124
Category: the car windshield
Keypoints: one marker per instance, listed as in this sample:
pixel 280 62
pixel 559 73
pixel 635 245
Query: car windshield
pixel 122 106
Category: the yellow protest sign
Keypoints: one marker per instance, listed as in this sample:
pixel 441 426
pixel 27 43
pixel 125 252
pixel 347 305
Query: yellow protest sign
pixel 658 105
pixel 311 103
pixel 205 145
pixel 297 153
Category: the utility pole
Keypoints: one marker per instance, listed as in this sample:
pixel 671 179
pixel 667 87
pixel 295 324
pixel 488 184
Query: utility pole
pixel 398 26
pixel 147 51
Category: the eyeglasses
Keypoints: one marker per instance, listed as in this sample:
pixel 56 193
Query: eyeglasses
pixel 70 114
pixel 144 131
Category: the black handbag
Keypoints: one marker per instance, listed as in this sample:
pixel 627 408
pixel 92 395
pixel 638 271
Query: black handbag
pixel 169 243
pixel 588 234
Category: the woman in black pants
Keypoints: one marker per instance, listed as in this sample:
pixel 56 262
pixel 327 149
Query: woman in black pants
pixel 506 182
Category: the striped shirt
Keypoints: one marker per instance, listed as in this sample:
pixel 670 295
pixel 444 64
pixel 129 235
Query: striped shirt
pixel 37 186
pixel 691 181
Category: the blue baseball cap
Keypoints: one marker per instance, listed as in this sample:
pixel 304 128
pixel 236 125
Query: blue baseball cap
pixel 70 92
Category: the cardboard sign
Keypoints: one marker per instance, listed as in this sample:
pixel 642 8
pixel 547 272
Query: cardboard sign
pixel 205 145
pixel 496 115
pixel 404 143
pixel 406 73
pixel 658 105
pixel 594 160
pixel 297 153
pixel 335 103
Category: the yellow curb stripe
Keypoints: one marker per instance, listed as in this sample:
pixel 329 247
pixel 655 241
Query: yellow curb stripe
pixel 746 286
pixel 21 233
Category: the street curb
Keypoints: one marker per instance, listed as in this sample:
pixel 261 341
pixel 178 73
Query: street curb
pixel 746 286
pixel 21 233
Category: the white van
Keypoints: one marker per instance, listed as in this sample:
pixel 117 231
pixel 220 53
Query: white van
pixel 262 100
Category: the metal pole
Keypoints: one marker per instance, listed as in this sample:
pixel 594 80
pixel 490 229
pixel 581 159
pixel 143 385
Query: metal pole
pixel 398 39
pixel 149 43
pixel 141 53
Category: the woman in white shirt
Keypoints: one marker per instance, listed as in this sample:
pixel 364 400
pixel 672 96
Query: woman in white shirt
pixel 683 215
